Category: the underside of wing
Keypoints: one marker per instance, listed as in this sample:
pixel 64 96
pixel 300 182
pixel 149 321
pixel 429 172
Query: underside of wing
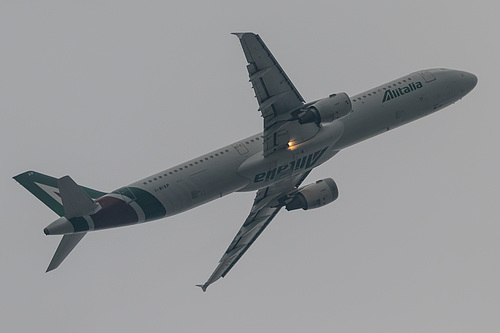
pixel 267 204
pixel 275 92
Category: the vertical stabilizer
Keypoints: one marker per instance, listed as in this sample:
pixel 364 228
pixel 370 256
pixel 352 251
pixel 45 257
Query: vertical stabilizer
pixel 46 189
pixel 66 199
pixel 75 203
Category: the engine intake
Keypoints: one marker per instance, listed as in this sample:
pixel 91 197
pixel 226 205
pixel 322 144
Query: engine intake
pixel 327 109
pixel 314 195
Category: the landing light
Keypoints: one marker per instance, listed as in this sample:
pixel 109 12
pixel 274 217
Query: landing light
pixel 292 145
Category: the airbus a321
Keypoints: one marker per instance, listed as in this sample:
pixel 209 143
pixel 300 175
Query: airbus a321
pixel 297 137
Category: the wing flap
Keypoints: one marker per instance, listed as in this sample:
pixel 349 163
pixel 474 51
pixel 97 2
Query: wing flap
pixel 257 75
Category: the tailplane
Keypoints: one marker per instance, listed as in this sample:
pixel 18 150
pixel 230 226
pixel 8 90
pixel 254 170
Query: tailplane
pixel 67 244
pixel 66 199
pixel 75 201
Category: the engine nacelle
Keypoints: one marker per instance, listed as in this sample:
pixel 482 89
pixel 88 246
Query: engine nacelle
pixel 314 195
pixel 327 109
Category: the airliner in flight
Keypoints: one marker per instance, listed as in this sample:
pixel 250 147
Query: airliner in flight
pixel 298 136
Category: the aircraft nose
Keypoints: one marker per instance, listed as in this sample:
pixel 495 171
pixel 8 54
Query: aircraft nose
pixel 467 81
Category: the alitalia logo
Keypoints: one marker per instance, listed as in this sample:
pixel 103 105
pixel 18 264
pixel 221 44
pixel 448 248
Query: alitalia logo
pixel 305 162
pixel 395 93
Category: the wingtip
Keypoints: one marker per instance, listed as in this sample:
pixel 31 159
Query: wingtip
pixel 203 286
pixel 52 265
pixel 23 174
pixel 50 268
pixel 241 34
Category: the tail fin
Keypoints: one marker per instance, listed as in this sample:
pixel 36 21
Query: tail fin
pixel 65 198
pixel 46 189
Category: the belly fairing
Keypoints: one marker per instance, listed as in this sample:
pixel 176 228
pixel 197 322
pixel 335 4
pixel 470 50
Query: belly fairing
pixel 262 172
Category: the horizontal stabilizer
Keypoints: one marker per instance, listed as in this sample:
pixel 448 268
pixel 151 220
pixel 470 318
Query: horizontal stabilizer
pixel 74 199
pixel 67 244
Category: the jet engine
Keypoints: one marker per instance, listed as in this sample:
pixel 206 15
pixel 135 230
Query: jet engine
pixel 314 195
pixel 327 109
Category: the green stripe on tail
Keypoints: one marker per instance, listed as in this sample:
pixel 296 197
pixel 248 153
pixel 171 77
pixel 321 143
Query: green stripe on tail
pixel 45 188
pixel 152 207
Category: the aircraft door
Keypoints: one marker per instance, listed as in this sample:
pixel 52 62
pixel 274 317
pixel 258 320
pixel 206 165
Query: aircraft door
pixel 240 148
pixel 428 76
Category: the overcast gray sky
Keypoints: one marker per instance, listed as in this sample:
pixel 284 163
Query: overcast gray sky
pixel 110 92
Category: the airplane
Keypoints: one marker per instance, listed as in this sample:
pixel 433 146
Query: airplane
pixel 297 137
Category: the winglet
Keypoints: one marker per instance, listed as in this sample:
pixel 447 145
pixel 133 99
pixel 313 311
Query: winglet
pixel 241 34
pixel 203 286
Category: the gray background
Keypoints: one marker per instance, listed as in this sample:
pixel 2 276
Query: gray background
pixel 110 92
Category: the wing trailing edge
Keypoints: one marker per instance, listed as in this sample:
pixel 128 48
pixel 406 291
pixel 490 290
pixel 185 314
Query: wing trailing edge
pixel 67 244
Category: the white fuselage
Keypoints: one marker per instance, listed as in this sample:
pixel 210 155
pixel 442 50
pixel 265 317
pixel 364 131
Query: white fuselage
pixel 242 167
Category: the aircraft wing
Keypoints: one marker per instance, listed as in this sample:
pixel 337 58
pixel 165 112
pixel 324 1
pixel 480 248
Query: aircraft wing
pixel 276 94
pixel 266 205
